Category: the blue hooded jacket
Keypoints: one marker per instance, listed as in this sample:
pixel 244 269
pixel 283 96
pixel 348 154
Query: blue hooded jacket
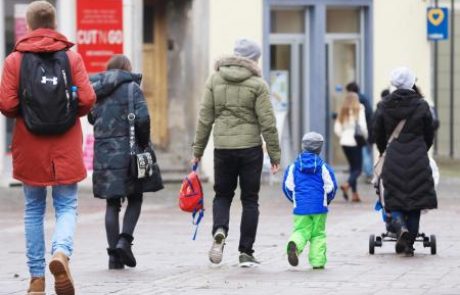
pixel 310 184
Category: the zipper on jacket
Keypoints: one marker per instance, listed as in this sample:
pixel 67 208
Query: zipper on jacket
pixel 53 171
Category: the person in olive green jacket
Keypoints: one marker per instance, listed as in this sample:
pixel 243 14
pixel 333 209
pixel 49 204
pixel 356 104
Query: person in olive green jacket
pixel 237 103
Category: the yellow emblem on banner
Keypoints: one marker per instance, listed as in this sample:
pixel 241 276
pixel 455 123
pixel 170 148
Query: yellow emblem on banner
pixel 436 16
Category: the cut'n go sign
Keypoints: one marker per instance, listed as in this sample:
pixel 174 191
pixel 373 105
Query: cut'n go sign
pixel 99 32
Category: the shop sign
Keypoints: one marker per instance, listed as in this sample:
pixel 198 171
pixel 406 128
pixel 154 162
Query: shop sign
pixel 99 32
pixel 437 23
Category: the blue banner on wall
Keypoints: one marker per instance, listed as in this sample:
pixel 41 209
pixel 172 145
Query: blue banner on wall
pixel 437 23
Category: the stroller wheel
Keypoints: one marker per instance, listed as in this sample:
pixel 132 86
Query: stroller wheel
pixel 433 244
pixel 378 241
pixel 371 244
pixel 426 242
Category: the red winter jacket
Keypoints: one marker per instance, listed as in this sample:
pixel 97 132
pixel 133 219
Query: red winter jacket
pixel 45 160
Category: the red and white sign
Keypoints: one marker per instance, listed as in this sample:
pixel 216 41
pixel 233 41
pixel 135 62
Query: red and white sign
pixel 99 32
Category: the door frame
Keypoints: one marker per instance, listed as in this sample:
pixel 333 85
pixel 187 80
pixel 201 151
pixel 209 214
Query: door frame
pixel 315 34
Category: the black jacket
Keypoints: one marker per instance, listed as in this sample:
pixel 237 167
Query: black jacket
pixel 368 112
pixel 407 176
pixel 111 133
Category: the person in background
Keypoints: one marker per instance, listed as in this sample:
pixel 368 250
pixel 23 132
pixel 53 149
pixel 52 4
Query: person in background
pixel 112 180
pixel 351 114
pixel 45 160
pixel 368 162
pixel 407 177
pixel 237 104
pixel 310 184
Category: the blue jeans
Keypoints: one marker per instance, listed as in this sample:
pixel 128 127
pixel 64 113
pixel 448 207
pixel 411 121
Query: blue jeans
pixel 409 220
pixel 368 162
pixel 355 161
pixel 65 206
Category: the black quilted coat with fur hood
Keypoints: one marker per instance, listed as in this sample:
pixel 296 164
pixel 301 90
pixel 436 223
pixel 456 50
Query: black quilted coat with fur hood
pixel 407 176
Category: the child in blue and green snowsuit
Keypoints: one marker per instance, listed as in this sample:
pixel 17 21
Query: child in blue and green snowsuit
pixel 310 184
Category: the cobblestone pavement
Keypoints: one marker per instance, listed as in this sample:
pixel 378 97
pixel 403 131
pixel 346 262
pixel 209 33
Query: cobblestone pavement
pixel 169 262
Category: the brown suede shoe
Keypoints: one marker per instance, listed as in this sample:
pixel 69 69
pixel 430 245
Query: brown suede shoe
pixel 355 198
pixel 59 267
pixel 36 286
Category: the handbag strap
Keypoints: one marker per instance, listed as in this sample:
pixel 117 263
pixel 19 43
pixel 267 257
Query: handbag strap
pixel 397 131
pixel 131 118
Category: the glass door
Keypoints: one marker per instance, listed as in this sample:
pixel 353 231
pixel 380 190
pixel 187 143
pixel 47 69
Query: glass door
pixel 342 68
pixel 285 83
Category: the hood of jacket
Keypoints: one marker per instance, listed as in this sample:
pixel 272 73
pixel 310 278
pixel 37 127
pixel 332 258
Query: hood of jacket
pixel 105 83
pixel 237 69
pixel 308 163
pixel 43 40
pixel 401 103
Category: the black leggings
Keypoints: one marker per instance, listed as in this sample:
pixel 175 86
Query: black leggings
pixel 112 224
pixel 354 157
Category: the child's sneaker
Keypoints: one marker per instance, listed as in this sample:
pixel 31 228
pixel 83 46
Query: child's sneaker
pixel 217 248
pixel 292 254
pixel 247 260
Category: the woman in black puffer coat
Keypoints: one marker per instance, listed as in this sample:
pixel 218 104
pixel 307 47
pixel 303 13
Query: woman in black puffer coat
pixel 111 177
pixel 407 176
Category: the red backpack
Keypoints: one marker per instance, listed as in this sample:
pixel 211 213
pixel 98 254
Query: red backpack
pixel 191 197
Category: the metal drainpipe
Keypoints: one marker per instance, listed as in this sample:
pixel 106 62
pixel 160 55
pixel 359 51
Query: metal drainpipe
pixel 452 76
pixel 435 82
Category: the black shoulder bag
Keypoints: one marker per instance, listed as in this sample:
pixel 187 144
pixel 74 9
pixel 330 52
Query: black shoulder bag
pixel 143 163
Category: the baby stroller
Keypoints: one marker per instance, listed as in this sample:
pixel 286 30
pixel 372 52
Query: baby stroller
pixel 390 234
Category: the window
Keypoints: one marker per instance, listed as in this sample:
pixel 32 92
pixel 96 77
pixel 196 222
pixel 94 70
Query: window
pixel 343 20
pixel 287 21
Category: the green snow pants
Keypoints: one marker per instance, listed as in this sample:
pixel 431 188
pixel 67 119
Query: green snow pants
pixel 311 228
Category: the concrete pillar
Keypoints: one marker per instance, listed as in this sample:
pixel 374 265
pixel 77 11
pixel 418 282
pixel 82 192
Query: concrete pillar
pixel 132 28
pixel 67 18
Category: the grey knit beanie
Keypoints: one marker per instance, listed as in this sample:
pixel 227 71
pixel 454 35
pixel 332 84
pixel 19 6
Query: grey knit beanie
pixel 247 48
pixel 402 78
pixel 312 142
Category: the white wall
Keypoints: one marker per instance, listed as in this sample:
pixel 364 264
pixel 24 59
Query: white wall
pixel 400 40
pixel 230 20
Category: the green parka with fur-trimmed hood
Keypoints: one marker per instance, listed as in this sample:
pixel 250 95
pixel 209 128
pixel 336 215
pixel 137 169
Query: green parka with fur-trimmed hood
pixel 237 102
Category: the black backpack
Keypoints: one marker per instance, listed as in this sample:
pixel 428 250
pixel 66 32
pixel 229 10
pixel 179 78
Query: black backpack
pixel 47 102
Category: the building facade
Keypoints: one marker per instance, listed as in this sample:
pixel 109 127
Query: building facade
pixel 311 50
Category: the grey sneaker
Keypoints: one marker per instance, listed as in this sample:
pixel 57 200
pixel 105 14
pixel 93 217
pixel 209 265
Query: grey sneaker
pixel 247 260
pixel 217 248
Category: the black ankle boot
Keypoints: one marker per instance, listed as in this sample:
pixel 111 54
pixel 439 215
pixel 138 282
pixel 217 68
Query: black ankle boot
pixel 114 259
pixel 124 250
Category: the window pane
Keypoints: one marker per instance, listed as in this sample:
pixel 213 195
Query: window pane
pixel 343 20
pixel 288 21
pixel 149 15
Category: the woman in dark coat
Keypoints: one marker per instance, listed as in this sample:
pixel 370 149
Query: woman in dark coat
pixel 406 174
pixel 111 180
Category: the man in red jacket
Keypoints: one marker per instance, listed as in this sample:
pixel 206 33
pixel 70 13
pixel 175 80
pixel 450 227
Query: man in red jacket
pixel 40 161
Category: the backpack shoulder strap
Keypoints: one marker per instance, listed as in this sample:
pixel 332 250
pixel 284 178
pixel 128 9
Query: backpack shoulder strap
pixel 65 63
